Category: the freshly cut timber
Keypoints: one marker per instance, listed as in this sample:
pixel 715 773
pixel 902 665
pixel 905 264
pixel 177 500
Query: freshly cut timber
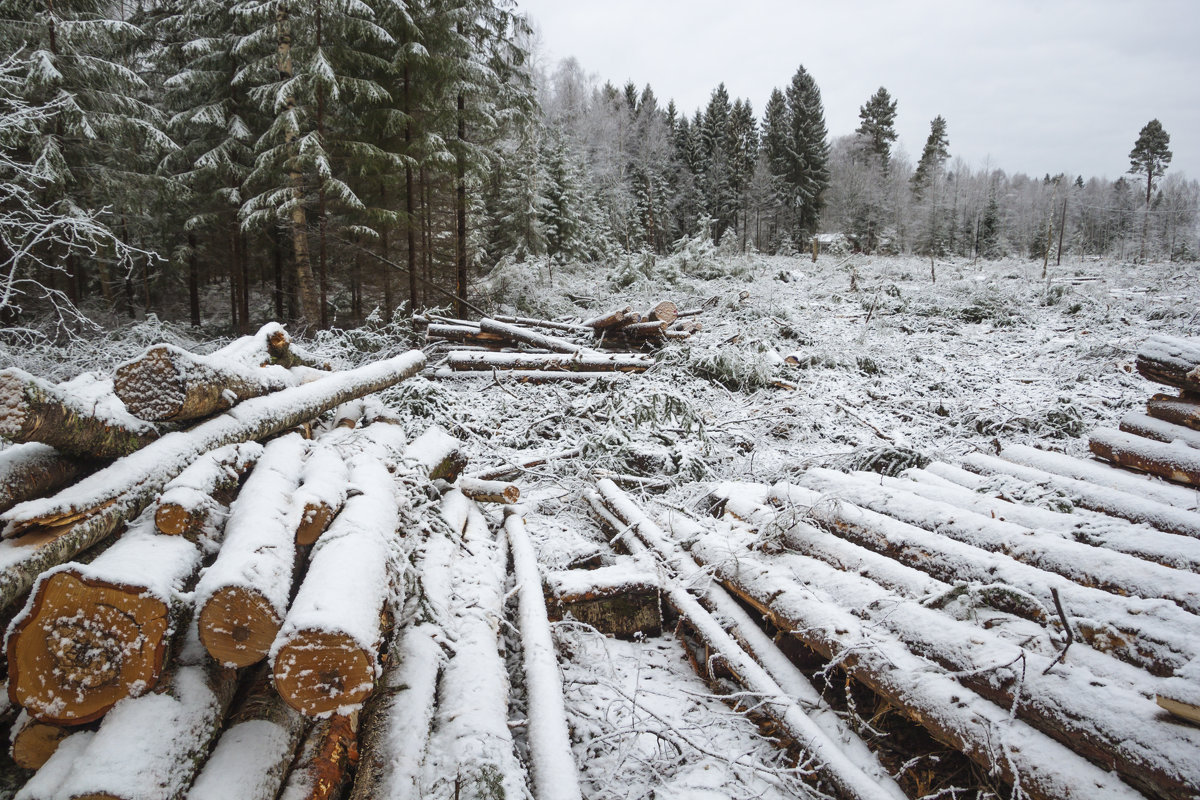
pixel 1174 461
pixel 193 502
pixel 570 327
pixel 243 596
pixel 59 527
pixel 463 333
pixel 91 635
pixel 526 336
pixel 256 748
pixel 553 765
pixel 1171 361
pixel 1178 410
pixel 579 362
pixel 327 755
pixel 172 727
pixel 489 491
pixel 617 600
pixel 34 742
pixel 644 330
pixel 32 410
pixel 613 319
pixel 535 376
pixel 1159 430
pixel 169 383
pixel 34 469
pixel 436 454
pixel 324 482
pixel 325 656
pixel 665 311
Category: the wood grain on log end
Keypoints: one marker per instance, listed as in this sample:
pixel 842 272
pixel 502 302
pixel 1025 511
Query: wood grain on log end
pixel 152 388
pixel 34 742
pixel 318 672
pixel 237 626
pixel 175 520
pixel 83 646
pixel 1179 708
pixel 316 519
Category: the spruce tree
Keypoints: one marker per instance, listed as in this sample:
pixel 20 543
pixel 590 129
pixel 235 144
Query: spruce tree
pixel 877 128
pixel 933 157
pixel 717 162
pixel 743 150
pixel 806 165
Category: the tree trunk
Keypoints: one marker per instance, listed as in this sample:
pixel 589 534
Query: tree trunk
pixel 1178 410
pixel 436 454
pixel 460 252
pixel 326 760
pixel 1172 361
pixel 193 280
pixel 489 491
pixel 194 503
pixel 33 742
pixel 32 410
pixel 410 220
pixel 1175 461
pixel 526 336
pixel 34 469
pixel 324 485
pixel 1150 428
pixel 474 361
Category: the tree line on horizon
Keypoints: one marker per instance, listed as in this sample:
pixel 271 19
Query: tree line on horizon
pixel 226 162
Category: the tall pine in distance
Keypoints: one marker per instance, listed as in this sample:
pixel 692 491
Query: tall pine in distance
pixel 806 162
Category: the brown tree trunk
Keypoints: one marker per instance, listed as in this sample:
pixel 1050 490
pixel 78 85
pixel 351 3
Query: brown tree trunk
pixel 193 280
pixel 34 469
pixel 460 208
pixel 326 760
pixel 1174 461
pixel 1178 410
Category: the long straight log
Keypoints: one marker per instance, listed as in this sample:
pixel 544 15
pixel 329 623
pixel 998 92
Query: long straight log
pixel 548 361
pixel 34 469
pixel 1171 360
pixel 104 500
pixel 534 376
pixel 643 330
pixel 32 410
pixel 1128 735
pixel 1148 427
pixel 830 762
pixel 324 482
pixel 511 471
pixel 194 502
pixel 463 333
pixel 436 454
pixel 1177 410
pixel 243 596
pixel 169 383
pixel 526 336
pixel 570 327
pixel 489 491
pixel 555 776
pixel 327 756
pixel 252 757
pixel 613 319
pixel 325 657
pixel 1176 461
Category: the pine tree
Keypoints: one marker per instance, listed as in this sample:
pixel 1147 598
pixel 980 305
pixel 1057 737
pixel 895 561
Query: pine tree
pixel 933 157
pixel 878 125
pixel 1150 155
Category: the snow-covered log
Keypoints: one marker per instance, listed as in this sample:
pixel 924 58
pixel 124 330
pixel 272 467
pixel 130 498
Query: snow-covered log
pixel 489 491
pixel 534 376
pixel 34 469
pixel 323 485
pixel 1176 461
pixel 553 765
pixel 1127 505
pixel 152 746
pixel 600 362
pixel 322 767
pixel 32 410
pixel 436 454
pixel 1112 725
pixel 1177 410
pixel 94 507
pixel 242 598
pixel 252 757
pixel 643 330
pixel 1171 361
pixel 666 311
pixel 1159 430
pixel 621 600
pixel 193 503
pixel 570 327
pixel 512 470
pixel 470 754
pixel 91 635
pixel 613 319
pixel 325 655
pixel 831 763
pixel 517 333
pixel 33 742
pixel 1086 565
pixel 1150 633
pixel 169 383
pixel 46 781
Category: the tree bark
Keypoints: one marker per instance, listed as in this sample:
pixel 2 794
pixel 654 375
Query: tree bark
pixel 473 361
pixel 1177 410
pixel 1149 427
pixel 33 469
pixel 326 760
pixel 489 491
pixel 194 502
pixel 519 334
pixel 1171 361
pixel 1175 461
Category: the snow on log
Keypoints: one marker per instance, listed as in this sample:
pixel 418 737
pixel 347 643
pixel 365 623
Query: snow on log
pixel 620 600
pixel 1080 525
pixel 169 383
pixel 1148 427
pixel 643 330
pixel 44 785
pixel 193 503
pixel 324 481
pixel 1086 565
pixel 471 752
pixel 554 774
pixel 1171 361
pixel 613 319
pixel 67 418
pixel 172 727
pixel 570 327
pixel 1176 410
pixel 436 454
pixel 1126 505
pixel 577 362
pixel 252 757
pixel 1102 474
pixel 34 742
pixel 1111 725
pixel 95 506
pixel 512 470
pixel 33 470
pixel 828 759
pixel 516 333
pixel 93 634
pixel 489 491
pixel 666 311
pixel 1154 634
pixel 534 376
pixel 327 754
pixel 325 655
pixel 1175 461
pixel 464 333
pixel 242 598
pixel 348 415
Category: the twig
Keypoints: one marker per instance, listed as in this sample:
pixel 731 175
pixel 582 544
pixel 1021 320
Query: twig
pixel 1066 627
pixel 857 418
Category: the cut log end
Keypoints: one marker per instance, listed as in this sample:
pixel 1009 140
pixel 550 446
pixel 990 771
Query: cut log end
pixel 151 387
pixel 34 742
pixel 83 646
pixel 1180 709
pixel 175 520
pixel 237 626
pixel 316 519
pixel 489 491
pixel 320 672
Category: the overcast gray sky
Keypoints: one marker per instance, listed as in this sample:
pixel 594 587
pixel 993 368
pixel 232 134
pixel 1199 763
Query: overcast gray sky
pixel 1036 86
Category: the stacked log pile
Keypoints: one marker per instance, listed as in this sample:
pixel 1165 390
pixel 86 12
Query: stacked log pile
pixel 1165 440
pixel 543 351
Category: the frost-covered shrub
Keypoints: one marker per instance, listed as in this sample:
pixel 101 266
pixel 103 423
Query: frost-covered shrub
pixel 742 367
pixel 525 287
pixel 377 338
pixel 890 460
pixel 653 432
pixel 1061 421
pixel 1000 312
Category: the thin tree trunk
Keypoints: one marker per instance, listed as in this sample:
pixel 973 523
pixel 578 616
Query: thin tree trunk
pixel 277 252
pixel 1062 226
pixel 460 282
pixel 409 201
pixel 193 281
pixel 243 280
